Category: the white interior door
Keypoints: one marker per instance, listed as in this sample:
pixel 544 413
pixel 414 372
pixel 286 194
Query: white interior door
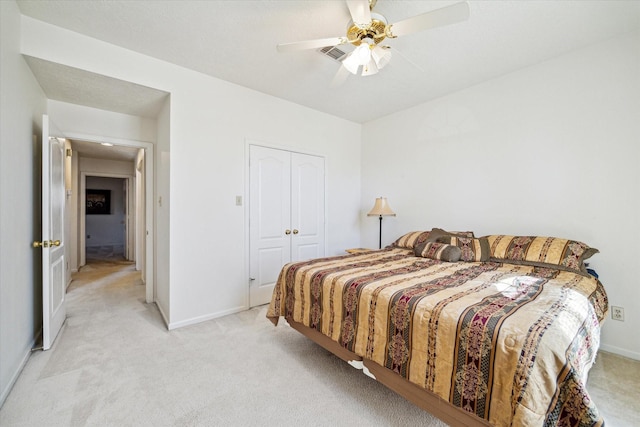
pixel 52 244
pixel 269 219
pixel 307 207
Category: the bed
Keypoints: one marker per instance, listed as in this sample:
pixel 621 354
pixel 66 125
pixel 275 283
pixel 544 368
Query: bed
pixel 498 330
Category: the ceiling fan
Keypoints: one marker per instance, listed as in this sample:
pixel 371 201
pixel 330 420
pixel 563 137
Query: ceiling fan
pixel 367 29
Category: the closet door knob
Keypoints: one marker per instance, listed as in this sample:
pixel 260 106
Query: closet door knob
pixel 287 232
pixel 295 231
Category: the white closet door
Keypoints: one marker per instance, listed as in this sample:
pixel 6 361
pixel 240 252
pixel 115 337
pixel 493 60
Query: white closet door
pixel 307 207
pixel 269 219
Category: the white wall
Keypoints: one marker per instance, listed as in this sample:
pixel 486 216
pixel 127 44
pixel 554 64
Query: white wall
pixel 87 121
pixel 205 272
pixel 90 166
pixel 552 149
pixel 22 104
pixel 162 199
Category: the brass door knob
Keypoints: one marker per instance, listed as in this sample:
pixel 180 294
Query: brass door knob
pixel 46 243
pixel 287 232
pixel 295 231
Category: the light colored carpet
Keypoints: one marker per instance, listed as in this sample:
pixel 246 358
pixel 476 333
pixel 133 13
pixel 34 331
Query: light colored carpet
pixel 115 364
pixel 103 253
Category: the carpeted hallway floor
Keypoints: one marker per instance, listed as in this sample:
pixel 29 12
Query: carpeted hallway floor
pixel 115 364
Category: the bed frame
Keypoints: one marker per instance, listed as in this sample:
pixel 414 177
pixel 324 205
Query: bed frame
pixel 425 399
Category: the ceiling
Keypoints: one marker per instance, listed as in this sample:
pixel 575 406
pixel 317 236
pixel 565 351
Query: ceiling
pixel 63 83
pixel 236 41
pixel 99 151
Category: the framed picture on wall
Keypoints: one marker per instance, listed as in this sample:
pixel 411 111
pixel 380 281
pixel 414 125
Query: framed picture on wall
pixel 98 202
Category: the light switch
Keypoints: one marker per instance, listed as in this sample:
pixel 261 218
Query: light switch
pixel 238 200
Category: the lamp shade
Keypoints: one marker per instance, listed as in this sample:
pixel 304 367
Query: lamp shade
pixel 381 208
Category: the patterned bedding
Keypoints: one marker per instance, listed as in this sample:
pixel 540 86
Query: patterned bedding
pixel 510 343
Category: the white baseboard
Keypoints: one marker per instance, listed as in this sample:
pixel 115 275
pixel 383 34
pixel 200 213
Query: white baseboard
pixel 17 372
pixel 620 351
pixel 206 317
pixel 164 316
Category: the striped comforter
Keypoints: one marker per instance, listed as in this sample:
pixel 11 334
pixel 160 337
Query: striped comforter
pixel 512 344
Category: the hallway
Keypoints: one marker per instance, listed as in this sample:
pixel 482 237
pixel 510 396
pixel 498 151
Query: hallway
pixel 108 285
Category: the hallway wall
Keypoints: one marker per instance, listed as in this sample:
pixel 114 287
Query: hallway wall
pixel 21 107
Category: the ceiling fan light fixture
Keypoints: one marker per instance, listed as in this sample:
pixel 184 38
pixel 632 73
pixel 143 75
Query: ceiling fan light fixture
pixel 370 69
pixel 371 57
pixel 367 29
pixel 363 54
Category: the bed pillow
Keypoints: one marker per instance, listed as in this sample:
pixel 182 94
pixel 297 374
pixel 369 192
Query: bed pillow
pixel 439 251
pixel 539 251
pixel 411 239
pixel 471 249
pixel 437 233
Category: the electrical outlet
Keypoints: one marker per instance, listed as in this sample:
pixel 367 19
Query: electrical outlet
pixel 617 313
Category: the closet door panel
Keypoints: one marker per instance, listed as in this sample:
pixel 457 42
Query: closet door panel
pixel 307 207
pixel 269 220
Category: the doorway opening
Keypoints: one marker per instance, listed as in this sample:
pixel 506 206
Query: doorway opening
pixel 125 227
pixel 107 219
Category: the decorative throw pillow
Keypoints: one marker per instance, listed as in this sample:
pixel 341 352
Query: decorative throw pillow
pixel 411 239
pixel 439 251
pixel 438 235
pixel 539 251
pixel 471 249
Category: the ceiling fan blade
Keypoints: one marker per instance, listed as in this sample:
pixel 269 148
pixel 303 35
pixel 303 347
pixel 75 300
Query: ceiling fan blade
pixel 406 58
pixel 360 12
pixel 341 76
pixel 436 18
pixel 311 44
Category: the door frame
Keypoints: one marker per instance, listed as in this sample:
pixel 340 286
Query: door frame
pixel 149 197
pixel 130 232
pixel 247 235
